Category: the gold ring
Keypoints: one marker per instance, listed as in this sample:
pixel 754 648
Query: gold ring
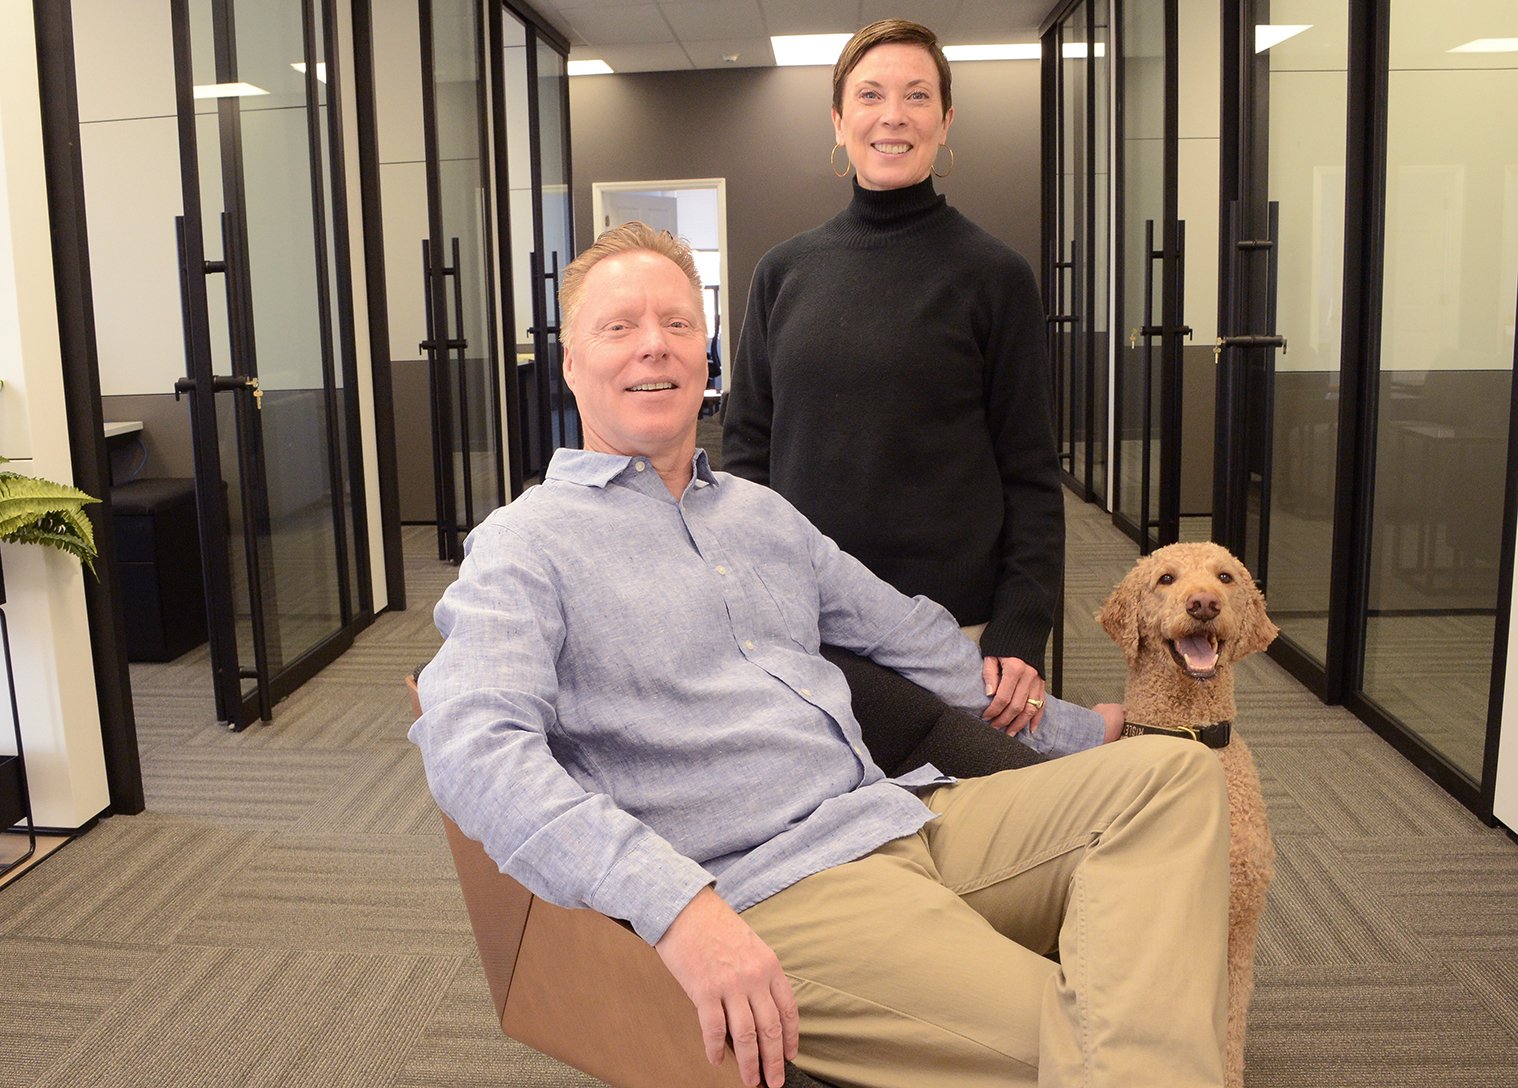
pixel 1036 704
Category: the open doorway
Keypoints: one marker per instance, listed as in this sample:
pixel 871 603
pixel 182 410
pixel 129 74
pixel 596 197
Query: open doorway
pixel 696 210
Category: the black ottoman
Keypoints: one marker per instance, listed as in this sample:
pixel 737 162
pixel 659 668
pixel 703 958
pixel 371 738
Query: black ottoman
pixel 158 558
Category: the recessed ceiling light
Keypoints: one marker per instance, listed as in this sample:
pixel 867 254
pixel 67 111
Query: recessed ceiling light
pixel 321 69
pixel 1268 34
pixel 792 49
pixel 589 68
pixel 1077 50
pixel 227 90
pixel 1018 51
pixel 1488 45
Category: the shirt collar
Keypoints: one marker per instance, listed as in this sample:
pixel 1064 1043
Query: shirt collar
pixel 592 469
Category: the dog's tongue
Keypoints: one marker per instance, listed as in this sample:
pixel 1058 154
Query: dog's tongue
pixel 1199 653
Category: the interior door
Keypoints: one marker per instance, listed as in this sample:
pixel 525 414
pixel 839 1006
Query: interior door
pixel 1151 244
pixel 464 370
pixel 1282 284
pixel 553 226
pixel 268 344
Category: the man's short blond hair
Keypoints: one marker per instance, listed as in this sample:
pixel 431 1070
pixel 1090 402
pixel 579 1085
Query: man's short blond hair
pixel 627 238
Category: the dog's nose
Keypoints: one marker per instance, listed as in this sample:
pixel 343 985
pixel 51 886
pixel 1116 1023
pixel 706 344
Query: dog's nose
pixel 1203 606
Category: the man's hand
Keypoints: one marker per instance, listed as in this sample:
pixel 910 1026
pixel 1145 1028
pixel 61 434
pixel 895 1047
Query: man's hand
pixel 737 986
pixel 1010 684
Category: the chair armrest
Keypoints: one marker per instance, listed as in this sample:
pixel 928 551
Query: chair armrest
pixel 584 989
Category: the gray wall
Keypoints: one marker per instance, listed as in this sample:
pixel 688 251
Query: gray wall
pixel 767 131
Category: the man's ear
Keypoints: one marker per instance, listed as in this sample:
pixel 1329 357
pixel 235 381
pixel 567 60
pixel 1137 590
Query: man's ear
pixel 571 375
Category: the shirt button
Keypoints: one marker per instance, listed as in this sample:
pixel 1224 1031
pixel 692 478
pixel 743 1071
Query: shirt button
pixel 748 645
pixel 721 569
pixel 640 465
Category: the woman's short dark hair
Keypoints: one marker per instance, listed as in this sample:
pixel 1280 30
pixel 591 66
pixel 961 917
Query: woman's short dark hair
pixel 887 32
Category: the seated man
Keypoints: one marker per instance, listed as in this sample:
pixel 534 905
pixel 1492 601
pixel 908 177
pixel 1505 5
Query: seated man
pixel 631 714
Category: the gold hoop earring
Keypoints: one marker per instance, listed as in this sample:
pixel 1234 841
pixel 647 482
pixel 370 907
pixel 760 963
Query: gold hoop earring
pixel 950 170
pixel 833 162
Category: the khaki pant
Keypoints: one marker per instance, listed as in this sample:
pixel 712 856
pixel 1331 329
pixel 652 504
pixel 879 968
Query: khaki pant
pixel 922 965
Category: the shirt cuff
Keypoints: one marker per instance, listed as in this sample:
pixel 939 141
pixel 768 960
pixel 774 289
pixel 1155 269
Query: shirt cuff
pixel 648 886
pixel 1065 728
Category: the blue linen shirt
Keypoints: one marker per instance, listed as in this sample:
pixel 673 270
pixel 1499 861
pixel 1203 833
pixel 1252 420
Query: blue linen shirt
pixel 629 704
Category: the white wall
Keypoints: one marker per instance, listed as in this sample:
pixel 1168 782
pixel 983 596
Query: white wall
pixel 402 167
pixel 129 144
pixel 1199 144
pixel 55 683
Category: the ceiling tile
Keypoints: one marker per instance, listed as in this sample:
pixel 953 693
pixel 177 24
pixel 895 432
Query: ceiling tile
pixel 752 53
pixel 708 20
pixel 546 7
pixel 660 57
pixel 640 24
pixel 811 16
pixel 995 21
pixel 931 14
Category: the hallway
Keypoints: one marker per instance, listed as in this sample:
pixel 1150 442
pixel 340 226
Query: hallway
pixel 286 912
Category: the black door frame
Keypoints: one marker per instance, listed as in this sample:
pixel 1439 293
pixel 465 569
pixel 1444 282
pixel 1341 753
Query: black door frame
pixel 1244 156
pixel 233 707
pixel 90 462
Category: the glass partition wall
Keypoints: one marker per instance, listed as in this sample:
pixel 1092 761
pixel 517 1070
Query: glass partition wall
pixel 464 371
pixel 532 155
pixel 1077 257
pixel 269 343
pixel 1366 262
pixel 1444 389
pixel 495 111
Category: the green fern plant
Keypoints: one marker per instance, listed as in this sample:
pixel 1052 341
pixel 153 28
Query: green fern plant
pixel 37 511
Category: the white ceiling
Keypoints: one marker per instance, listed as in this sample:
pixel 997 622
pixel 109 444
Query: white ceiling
pixel 664 35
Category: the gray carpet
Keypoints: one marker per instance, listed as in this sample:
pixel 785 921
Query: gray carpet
pixel 285 912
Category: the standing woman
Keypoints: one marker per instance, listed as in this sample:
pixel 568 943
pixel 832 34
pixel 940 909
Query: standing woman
pixel 892 381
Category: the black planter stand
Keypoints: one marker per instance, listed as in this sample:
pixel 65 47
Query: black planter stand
pixel 15 802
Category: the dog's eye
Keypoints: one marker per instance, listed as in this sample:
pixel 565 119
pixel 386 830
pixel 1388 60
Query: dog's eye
pixel 1224 577
pixel 1167 579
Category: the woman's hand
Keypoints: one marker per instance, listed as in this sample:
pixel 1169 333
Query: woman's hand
pixel 1016 692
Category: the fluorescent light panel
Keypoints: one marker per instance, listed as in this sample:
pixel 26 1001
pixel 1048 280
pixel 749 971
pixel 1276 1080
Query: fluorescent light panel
pixel 1078 50
pixel 794 49
pixel 1267 35
pixel 227 90
pixel 1488 45
pixel 321 69
pixel 589 68
pixel 1018 51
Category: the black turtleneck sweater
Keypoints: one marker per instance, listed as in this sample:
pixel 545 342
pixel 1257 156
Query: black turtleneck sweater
pixel 892 382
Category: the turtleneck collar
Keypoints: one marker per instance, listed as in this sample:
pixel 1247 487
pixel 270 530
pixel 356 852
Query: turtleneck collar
pixel 894 209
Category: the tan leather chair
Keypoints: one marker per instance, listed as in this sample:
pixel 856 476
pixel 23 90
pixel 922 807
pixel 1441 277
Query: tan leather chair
pixel 586 990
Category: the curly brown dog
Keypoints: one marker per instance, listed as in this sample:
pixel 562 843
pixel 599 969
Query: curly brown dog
pixel 1183 615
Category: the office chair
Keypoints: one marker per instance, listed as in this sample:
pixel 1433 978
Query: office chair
pixel 586 990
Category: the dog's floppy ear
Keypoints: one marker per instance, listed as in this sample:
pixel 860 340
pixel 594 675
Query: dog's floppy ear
pixel 1119 617
pixel 1256 629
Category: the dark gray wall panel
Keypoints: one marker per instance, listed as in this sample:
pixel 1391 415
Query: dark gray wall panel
pixel 767 131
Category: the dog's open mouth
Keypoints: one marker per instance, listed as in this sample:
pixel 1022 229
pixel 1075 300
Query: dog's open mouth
pixel 1197 655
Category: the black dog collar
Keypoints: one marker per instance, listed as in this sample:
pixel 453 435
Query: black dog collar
pixel 1216 735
